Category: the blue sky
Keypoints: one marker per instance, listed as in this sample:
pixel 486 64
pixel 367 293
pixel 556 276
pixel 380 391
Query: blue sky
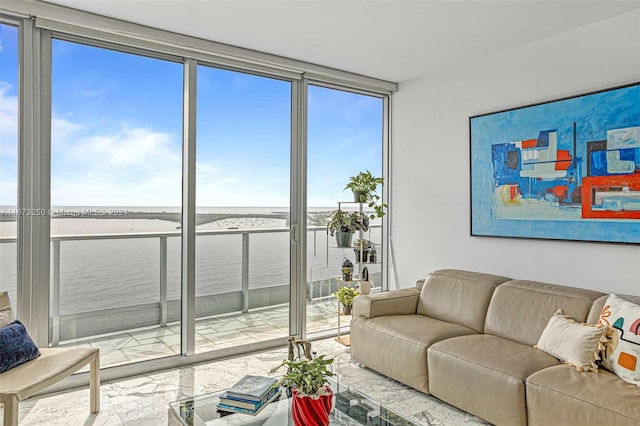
pixel 8 114
pixel 117 133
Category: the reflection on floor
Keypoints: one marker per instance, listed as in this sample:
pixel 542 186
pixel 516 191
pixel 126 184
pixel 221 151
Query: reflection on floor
pixel 144 401
pixel 211 333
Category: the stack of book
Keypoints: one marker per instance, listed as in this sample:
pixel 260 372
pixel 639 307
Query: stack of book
pixel 250 395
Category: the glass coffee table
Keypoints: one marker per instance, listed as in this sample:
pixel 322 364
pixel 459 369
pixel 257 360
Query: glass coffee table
pixel 350 408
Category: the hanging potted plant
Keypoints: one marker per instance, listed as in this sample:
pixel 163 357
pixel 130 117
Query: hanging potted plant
pixel 346 295
pixel 312 398
pixel 364 191
pixel 343 224
pixel 362 246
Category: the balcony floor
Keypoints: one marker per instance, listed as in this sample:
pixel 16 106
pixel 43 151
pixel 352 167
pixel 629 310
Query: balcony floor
pixel 211 333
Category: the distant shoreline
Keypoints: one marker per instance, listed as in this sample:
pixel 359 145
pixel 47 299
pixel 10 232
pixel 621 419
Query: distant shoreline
pixel 201 218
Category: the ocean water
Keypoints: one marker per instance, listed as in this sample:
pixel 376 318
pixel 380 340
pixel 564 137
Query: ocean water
pixel 109 273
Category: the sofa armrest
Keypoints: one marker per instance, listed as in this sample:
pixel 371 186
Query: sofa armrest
pixel 396 302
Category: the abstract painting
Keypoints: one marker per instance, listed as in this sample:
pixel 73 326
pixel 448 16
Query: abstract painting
pixel 567 169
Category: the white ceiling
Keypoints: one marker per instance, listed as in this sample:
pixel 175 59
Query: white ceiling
pixel 392 40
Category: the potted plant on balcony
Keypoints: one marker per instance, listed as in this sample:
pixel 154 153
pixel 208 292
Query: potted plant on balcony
pixel 365 283
pixel 346 295
pixel 343 224
pixel 373 254
pixel 347 270
pixel 362 246
pixel 312 398
pixel 364 187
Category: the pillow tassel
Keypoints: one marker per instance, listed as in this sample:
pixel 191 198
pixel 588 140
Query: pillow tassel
pixel 602 343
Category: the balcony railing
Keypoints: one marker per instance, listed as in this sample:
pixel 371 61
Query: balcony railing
pixel 98 322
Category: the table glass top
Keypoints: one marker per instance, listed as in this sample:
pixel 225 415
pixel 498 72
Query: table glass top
pixel 350 408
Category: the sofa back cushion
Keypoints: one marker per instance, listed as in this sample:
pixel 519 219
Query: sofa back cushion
pixel 598 305
pixel 520 310
pixel 456 296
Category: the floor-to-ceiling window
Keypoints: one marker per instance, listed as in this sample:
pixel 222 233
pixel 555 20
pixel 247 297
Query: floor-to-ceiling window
pixel 8 159
pixel 243 174
pixel 123 172
pixel 345 137
pixel 116 175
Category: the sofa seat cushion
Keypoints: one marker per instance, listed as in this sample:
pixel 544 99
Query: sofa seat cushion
pixel 562 396
pixel 396 345
pixel 491 370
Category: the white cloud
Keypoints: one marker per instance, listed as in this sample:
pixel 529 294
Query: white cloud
pixel 62 130
pixel 131 147
pixel 131 166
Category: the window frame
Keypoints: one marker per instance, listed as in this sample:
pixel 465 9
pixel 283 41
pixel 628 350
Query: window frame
pixel 34 176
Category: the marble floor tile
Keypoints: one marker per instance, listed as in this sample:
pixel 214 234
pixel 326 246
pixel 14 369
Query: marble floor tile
pixel 219 336
pixel 152 350
pixel 231 324
pixel 150 340
pixel 144 400
pixel 172 339
pixel 113 357
pixel 142 335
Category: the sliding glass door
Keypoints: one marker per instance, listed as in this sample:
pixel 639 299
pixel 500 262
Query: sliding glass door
pixel 242 216
pixel 116 173
pixel 344 137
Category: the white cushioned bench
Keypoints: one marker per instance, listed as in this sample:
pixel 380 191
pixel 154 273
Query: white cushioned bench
pixel 53 365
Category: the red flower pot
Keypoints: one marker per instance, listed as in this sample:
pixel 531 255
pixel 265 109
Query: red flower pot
pixel 307 411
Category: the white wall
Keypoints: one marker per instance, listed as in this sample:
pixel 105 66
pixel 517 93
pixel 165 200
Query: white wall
pixel 431 158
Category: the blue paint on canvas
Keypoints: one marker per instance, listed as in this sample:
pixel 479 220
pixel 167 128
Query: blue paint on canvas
pixel 526 157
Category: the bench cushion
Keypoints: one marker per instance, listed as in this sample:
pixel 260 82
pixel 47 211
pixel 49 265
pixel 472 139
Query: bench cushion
pixel 52 366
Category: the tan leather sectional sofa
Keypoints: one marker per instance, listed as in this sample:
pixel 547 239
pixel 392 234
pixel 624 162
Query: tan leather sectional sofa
pixel 467 338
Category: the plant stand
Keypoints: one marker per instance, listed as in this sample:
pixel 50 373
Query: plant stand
pixel 345 339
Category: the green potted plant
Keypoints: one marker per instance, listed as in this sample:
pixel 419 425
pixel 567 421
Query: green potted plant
pixel 362 246
pixel 343 224
pixel 373 254
pixel 346 295
pixel 312 397
pixel 365 283
pixel 364 187
pixel 347 270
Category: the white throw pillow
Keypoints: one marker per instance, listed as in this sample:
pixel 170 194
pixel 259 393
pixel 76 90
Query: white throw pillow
pixel 573 343
pixel 622 355
pixel 6 316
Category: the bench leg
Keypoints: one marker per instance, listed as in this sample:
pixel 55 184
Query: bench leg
pixel 11 411
pixel 94 384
